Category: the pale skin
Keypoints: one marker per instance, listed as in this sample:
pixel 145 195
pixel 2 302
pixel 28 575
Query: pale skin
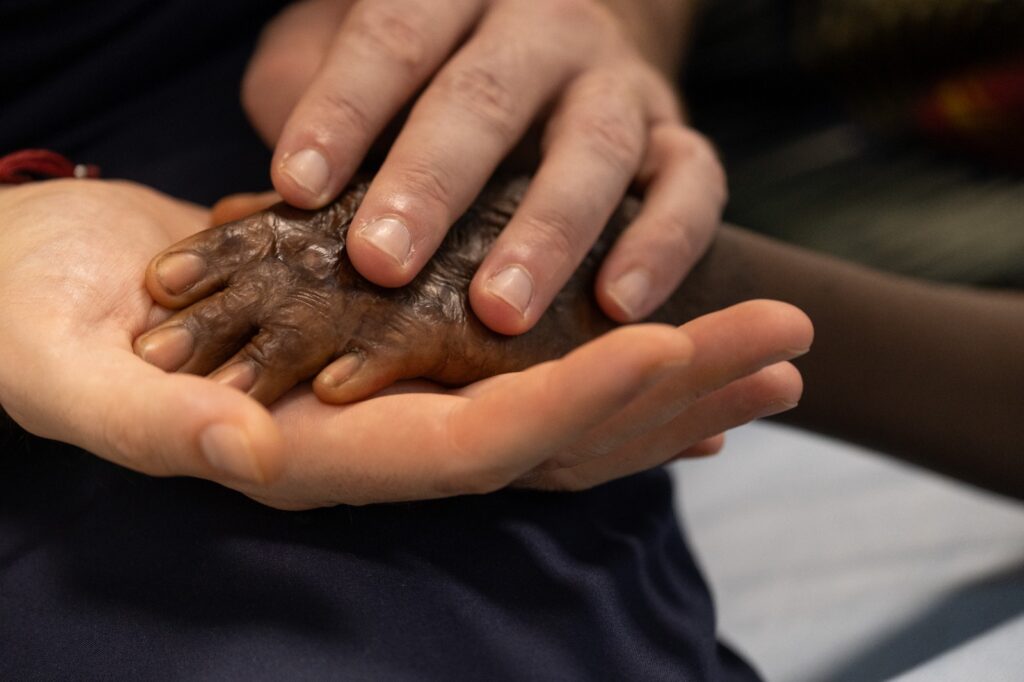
pixel 591 79
pixel 71 274
pixel 925 371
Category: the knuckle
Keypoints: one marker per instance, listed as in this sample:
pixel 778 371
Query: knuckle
pixel 382 29
pixel 689 145
pixel 554 231
pixel 344 113
pixel 704 153
pixel 673 237
pixel 308 308
pixel 247 296
pixel 427 181
pixel 613 138
pixel 262 349
pixel 276 343
pixel 481 91
pixel 686 247
pixel 682 142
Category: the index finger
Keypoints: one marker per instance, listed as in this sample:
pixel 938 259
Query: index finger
pixel 384 51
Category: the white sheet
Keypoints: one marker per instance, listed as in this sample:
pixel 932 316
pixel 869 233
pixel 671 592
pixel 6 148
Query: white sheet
pixel 829 562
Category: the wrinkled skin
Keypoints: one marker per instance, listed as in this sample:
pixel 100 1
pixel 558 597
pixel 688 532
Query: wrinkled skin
pixel 279 300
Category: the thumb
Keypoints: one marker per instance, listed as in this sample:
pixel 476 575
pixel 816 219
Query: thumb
pixel 135 415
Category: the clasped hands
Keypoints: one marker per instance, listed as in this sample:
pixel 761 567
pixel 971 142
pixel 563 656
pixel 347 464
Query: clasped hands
pixel 73 299
pixel 326 78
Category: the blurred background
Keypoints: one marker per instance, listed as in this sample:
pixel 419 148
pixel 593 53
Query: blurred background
pixel 888 132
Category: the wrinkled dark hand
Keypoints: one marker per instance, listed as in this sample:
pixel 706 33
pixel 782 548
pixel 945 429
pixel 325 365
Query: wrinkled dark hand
pixel 266 301
pixel 272 299
pixel 72 300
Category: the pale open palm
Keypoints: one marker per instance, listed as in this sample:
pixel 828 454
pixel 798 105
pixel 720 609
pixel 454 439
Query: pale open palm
pixel 71 282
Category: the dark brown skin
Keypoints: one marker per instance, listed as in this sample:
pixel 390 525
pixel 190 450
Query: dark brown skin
pixel 927 372
pixel 290 302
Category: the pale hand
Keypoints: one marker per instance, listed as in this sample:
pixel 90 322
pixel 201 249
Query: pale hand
pixel 328 76
pixel 72 297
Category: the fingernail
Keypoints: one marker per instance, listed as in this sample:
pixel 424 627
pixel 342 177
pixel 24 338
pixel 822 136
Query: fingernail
pixel 341 370
pixel 227 449
pixel 308 169
pixel 241 375
pixel 168 348
pixel 389 236
pixel 179 272
pixel 775 408
pixel 514 286
pixel 630 291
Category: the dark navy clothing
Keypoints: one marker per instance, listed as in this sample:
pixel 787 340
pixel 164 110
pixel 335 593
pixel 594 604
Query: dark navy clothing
pixel 105 573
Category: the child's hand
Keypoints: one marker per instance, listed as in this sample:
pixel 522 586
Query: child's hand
pixel 72 299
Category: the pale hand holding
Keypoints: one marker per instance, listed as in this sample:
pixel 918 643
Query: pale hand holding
pixel 328 76
pixel 72 296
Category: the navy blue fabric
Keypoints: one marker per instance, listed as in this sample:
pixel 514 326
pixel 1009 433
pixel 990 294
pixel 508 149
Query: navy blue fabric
pixel 105 573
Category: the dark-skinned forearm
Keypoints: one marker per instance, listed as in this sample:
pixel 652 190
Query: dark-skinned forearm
pixel 929 372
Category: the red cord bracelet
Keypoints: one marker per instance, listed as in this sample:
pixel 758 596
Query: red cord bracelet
pixel 41 164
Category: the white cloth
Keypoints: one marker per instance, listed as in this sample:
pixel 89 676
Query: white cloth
pixel 831 562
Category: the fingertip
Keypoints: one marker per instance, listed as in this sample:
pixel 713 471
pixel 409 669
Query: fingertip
pixel 507 301
pixel 497 315
pixel 382 250
pixel 762 331
pixel 804 327
pixel 172 274
pixel 627 297
pixel 167 348
pixel 335 383
pixel 796 322
pixel 786 381
pixel 303 178
pixel 331 395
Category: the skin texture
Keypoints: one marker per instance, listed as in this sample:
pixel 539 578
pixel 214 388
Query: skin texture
pixel 930 373
pixel 278 300
pixel 72 289
pixel 583 88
